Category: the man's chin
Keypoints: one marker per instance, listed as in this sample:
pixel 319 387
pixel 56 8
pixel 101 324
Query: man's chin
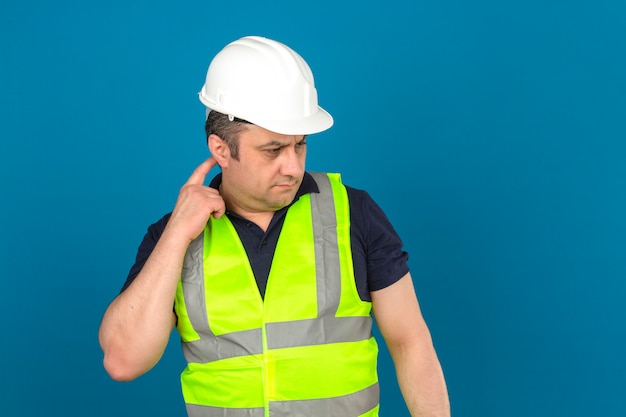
pixel 282 200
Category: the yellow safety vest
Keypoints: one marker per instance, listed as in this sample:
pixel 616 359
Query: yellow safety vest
pixel 307 349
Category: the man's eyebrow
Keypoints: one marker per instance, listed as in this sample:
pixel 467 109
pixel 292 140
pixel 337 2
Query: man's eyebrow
pixel 272 144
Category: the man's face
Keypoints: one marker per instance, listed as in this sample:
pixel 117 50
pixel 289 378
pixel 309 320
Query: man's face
pixel 268 173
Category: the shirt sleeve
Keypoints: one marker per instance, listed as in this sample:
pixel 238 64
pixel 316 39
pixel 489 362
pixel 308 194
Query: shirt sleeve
pixel 146 247
pixel 377 249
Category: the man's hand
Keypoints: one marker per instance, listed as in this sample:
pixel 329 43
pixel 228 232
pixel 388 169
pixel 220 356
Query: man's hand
pixel 196 203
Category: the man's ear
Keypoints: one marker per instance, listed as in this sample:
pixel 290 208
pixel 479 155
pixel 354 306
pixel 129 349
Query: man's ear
pixel 219 150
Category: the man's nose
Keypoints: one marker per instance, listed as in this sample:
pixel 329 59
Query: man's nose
pixel 292 163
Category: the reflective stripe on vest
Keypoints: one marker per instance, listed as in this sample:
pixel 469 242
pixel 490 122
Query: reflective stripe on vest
pixel 362 404
pixel 259 361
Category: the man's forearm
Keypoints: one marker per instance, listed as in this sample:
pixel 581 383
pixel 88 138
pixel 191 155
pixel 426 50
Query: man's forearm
pixel 135 328
pixel 421 381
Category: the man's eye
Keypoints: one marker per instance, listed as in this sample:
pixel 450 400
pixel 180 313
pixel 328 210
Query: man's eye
pixel 273 151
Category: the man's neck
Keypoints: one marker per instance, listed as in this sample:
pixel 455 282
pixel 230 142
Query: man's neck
pixel 260 218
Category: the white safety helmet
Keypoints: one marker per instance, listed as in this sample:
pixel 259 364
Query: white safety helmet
pixel 266 83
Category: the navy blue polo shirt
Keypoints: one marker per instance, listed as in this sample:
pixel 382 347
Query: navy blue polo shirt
pixel 377 253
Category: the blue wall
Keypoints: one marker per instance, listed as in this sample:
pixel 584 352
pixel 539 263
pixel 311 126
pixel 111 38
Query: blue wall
pixel 492 133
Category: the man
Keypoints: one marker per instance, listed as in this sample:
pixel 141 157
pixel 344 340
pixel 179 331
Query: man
pixel 270 274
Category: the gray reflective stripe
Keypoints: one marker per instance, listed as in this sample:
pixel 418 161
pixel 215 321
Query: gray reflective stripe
pixel 205 411
pixel 193 286
pixel 209 349
pixel 318 331
pixel 351 405
pixel 326 254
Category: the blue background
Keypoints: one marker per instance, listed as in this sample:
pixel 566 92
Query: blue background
pixel 492 133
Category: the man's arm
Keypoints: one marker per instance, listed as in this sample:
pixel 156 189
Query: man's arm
pixel 419 372
pixel 136 326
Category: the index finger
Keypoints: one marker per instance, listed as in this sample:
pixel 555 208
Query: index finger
pixel 199 174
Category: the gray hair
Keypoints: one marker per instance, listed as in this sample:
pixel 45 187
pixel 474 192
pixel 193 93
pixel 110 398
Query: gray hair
pixel 227 128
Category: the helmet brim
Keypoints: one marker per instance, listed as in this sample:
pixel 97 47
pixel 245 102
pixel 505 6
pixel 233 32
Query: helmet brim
pixel 315 123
